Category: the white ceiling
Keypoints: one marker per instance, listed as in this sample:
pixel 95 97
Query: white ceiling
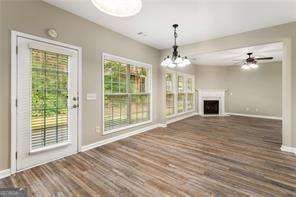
pixel 198 19
pixel 229 57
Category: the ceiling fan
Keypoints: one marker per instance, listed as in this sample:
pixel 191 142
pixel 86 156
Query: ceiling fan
pixel 251 61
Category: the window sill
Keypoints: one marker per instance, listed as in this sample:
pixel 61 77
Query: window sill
pixel 126 127
pixel 180 114
pixel 47 148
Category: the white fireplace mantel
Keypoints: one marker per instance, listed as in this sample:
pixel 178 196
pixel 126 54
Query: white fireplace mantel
pixel 211 94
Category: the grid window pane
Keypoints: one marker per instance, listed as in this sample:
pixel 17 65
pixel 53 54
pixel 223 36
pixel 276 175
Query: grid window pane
pixel 189 85
pixel 49 121
pixel 169 104
pixel 114 77
pixel 169 82
pixel 127 97
pixel 190 101
pixel 181 102
pixel 116 113
pixel 179 93
pixel 138 79
pixel 139 108
pixel 180 83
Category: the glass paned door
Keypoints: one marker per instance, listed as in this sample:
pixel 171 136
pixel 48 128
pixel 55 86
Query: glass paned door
pixel 48 105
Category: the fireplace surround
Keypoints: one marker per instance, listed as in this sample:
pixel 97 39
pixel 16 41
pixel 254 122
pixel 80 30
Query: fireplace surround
pixel 211 102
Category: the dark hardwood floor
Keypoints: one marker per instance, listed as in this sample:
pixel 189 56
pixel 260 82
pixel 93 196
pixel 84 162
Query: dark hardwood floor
pixel 225 156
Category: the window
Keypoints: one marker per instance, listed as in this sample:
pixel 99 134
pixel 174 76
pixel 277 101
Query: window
pixel 49 121
pixel 169 95
pixel 179 93
pixel 190 94
pixel 126 93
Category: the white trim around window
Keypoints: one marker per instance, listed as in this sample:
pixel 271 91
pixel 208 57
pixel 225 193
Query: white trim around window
pixel 133 63
pixel 175 91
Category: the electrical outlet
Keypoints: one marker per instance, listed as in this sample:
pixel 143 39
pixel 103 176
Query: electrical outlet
pixel 257 109
pixel 247 109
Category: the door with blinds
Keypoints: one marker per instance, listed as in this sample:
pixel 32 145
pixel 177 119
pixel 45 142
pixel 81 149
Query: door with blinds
pixel 47 107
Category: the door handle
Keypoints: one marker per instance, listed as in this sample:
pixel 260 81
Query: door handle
pixel 75 106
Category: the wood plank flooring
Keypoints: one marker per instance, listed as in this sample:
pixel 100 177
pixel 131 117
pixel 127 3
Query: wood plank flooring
pixel 215 156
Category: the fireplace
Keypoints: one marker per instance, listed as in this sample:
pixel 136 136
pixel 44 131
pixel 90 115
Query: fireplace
pixel 211 107
pixel 211 102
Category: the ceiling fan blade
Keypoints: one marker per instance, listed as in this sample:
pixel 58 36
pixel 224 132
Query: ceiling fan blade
pixel 264 58
pixel 237 60
pixel 192 58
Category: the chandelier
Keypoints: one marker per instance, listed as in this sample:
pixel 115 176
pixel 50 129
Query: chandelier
pixel 176 60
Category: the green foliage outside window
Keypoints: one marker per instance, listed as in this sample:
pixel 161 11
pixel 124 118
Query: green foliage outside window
pixel 127 97
pixel 49 98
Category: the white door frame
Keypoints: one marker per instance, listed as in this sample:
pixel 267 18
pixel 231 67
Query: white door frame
pixel 14 78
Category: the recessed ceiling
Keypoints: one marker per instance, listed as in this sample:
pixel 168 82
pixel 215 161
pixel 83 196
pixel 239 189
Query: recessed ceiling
pixel 199 20
pixel 230 57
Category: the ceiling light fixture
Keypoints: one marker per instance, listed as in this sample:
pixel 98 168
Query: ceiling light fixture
pixel 251 63
pixel 176 60
pixel 119 8
pixel 249 66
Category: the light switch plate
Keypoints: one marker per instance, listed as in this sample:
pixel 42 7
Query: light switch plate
pixel 91 96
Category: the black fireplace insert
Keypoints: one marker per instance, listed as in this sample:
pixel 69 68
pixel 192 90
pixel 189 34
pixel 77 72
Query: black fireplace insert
pixel 211 107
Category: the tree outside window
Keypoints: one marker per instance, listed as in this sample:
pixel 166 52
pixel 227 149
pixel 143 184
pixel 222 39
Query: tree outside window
pixel 127 94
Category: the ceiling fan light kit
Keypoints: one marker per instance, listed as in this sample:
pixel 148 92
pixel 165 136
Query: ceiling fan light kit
pixel 249 66
pixel 176 60
pixel 251 62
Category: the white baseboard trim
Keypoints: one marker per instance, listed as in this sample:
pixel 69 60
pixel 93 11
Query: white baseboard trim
pixel 214 115
pixel 163 125
pixel 181 117
pixel 256 116
pixel 119 137
pixel 5 173
pixel 288 149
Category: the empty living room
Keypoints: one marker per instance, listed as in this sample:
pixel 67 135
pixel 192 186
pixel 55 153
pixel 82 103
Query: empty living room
pixel 148 98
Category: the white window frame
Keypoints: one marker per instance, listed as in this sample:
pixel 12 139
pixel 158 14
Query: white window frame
pixel 192 77
pixel 134 63
pixel 176 91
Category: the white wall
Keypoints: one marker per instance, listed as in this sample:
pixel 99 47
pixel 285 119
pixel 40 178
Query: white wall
pixel 255 92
